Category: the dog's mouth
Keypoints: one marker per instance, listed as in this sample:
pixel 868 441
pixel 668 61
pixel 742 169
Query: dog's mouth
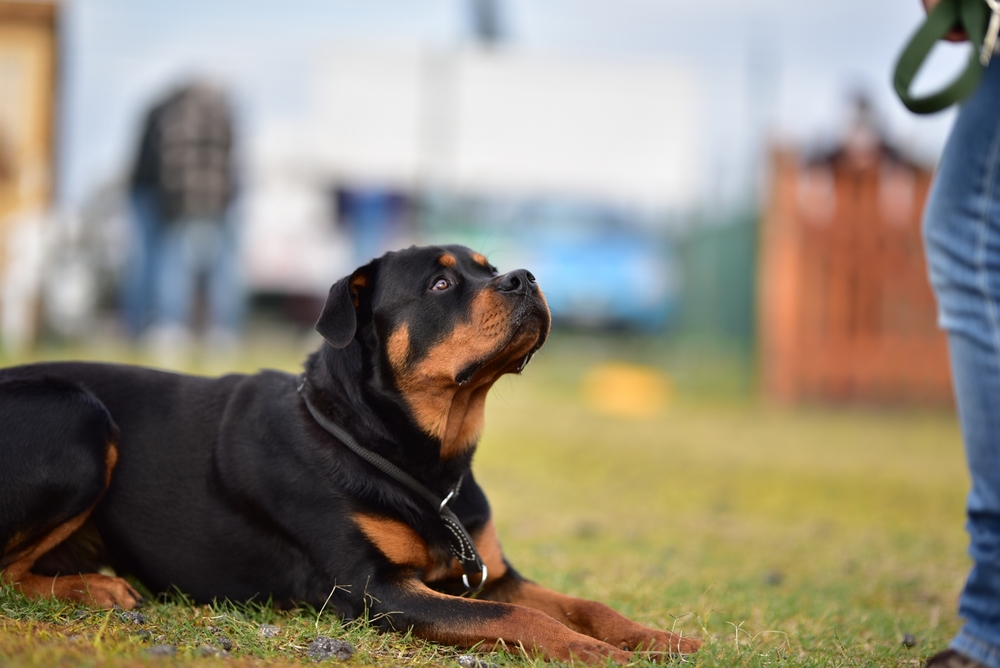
pixel 528 332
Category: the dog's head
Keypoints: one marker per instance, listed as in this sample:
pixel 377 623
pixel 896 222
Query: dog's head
pixel 445 325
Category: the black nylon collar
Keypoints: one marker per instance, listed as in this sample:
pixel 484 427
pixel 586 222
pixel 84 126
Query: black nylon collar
pixel 459 539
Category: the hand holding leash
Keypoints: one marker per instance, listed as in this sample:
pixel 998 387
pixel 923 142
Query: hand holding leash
pixel 990 40
pixel 969 16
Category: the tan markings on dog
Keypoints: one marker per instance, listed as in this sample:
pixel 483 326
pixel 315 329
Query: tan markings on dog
pixel 397 347
pixel 598 620
pixel 404 547
pixel 104 591
pixel 488 545
pixel 398 542
pixel 110 461
pixel 447 260
pixel 88 588
pixel 480 259
pixel 356 283
pixel 465 421
pixel 452 413
pixel 401 545
pixel 15 540
pixel 515 629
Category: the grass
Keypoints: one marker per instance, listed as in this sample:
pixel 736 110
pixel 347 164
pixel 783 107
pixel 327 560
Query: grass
pixel 816 537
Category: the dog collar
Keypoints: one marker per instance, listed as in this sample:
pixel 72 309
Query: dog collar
pixel 459 539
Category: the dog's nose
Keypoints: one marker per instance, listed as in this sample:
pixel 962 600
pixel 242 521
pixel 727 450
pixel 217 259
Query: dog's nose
pixel 520 281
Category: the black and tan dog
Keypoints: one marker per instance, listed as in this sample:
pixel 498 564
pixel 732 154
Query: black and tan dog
pixel 348 486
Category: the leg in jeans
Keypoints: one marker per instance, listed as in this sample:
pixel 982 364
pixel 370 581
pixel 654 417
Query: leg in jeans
pixel 226 295
pixel 176 275
pixel 140 272
pixel 171 337
pixel 962 233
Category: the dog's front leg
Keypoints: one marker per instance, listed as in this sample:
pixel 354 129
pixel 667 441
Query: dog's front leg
pixel 482 624
pixel 586 617
pixel 590 618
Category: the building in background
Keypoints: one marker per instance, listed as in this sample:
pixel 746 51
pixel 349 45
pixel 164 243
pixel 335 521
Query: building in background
pixel 518 109
pixel 28 48
pixel 846 312
pixel 461 123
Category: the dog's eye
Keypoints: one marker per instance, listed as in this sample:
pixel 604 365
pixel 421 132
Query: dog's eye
pixel 441 284
pixel 493 270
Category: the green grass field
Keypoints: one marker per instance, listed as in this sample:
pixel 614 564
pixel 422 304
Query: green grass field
pixel 815 537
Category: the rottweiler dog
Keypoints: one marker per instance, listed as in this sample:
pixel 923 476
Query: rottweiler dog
pixel 348 486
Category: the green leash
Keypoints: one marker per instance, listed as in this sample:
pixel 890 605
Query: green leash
pixel 969 15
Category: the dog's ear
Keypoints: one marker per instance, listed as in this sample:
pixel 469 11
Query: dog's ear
pixel 339 320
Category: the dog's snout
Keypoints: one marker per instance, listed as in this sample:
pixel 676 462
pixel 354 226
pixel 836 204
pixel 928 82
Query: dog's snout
pixel 520 281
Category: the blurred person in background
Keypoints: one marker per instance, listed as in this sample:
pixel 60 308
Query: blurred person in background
pixel 962 236
pixel 139 280
pixel 181 191
pixel 375 218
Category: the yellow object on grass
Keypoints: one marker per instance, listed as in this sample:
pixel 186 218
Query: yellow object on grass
pixel 626 390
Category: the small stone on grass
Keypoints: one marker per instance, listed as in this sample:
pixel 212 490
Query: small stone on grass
pixel 212 650
pixel 909 640
pixel 133 617
pixel 269 630
pixel 161 650
pixel 471 661
pixel 324 648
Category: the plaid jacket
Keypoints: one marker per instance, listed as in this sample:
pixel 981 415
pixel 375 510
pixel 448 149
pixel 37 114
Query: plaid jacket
pixel 185 153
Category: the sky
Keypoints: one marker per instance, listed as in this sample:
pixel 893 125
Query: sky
pixel 770 70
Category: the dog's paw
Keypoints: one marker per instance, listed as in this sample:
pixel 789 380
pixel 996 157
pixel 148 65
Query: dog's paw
pixel 107 592
pixel 594 652
pixel 687 645
pixel 654 644
pixel 103 591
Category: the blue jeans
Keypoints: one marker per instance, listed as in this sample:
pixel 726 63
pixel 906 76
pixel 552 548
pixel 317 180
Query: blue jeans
pixel 962 235
pixel 138 287
pixel 194 247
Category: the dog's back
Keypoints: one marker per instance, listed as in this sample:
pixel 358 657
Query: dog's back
pixel 184 444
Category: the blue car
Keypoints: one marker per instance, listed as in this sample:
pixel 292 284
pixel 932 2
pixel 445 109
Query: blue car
pixel 597 267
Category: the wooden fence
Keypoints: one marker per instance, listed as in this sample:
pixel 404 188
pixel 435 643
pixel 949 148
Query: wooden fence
pixel 845 310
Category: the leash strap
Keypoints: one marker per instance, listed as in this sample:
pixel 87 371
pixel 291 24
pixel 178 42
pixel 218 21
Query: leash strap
pixel 459 539
pixel 970 16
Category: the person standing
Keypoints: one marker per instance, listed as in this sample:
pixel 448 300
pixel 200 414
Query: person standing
pixel 962 239
pixel 139 274
pixel 191 172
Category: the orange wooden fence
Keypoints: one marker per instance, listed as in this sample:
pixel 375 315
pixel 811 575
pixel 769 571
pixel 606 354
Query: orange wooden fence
pixel 845 310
